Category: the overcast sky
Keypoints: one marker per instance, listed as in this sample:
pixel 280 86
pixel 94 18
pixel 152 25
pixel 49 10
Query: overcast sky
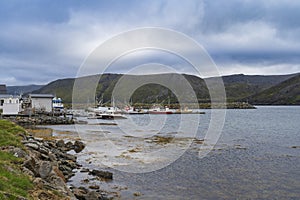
pixel 41 41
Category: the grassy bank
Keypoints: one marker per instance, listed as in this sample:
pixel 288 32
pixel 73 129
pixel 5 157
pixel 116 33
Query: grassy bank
pixel 13 183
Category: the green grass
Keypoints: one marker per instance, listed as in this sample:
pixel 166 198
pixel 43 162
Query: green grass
pixel 13 183
pixel 9 134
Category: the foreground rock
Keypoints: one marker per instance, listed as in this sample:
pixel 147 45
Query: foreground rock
pixel 101 174
pixel 51 166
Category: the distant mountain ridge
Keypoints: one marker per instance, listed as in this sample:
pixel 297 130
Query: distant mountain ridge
pixel 239 87
pixel 146 94
pixel 17 90
pixel 284 93
pixel 266 80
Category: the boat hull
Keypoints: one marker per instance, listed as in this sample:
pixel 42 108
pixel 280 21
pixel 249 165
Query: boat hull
pixel 111 116
pixel 161 112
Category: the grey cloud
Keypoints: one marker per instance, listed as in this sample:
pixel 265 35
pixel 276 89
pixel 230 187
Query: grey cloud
pixel 59 35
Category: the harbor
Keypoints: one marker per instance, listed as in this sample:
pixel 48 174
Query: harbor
pixel 253 144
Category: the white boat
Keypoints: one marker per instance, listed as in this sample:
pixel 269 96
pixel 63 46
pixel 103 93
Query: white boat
pixel 103 112
pixel 183 111
pixel 156 109
pixel 130 110
pixel 107 113
pixel 57 104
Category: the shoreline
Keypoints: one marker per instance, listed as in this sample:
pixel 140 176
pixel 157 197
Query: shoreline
pixel 66 152
pixel 49 164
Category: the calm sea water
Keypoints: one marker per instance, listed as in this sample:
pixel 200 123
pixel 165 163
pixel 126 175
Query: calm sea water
pixel 253 159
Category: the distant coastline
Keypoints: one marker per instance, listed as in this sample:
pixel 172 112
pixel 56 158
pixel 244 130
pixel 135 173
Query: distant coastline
pixel 252 89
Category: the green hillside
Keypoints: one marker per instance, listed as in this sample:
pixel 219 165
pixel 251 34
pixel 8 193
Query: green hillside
pixel 148 93
pixel 61 88
pixel 285 93
pixel 238 87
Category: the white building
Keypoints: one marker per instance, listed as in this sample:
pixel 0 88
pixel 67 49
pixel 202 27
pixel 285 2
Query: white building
pixel 10 104
pixel 41 102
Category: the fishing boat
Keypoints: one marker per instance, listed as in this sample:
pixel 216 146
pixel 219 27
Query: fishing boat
pixel 102 112
pixel 130 110
pixel 159 110
pixel 57 104
pixel 112 113
pixel 183 111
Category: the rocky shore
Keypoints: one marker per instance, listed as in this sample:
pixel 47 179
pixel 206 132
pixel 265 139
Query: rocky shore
pixel 50 166
pixel 40 120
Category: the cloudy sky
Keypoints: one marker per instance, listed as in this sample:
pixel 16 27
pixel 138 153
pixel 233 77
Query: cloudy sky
pixel 41 41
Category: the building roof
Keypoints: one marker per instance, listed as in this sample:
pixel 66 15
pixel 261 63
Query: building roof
pixel 5 96
pixel 41 96
pixel 3 89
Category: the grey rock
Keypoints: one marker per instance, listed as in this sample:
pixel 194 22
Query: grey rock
pixel 52 157
pixel 78 146
pixel 44 157
pixel 84 170
pixel 27 171
pixel 94 187
pixel 102 174
pixel 64 167
pixel 80 193
pixel 43 150
pixel 64 156
pixel 57 181
pixel 38 182
pixel 32 145
pixel 60 143
pixel 92 195
pixel 45 169
pixel 20 153
pixel 69 146
pixel 70 157
pixel 38 139
pixel 50 144
pixel 30 164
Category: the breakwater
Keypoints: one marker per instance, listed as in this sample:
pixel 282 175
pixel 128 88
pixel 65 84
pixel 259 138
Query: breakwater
pixel 39 120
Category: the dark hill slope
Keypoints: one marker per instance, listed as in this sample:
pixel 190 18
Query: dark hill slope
pixel 147 93
pixel 61 88
pixel 238 87
pixel 284 93
pixel 22 89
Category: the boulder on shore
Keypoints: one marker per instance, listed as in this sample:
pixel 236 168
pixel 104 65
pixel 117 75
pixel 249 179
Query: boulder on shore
pixel 101 174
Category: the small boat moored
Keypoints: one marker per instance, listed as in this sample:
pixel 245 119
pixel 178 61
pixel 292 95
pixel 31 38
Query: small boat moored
pixel 130 110
pixel 156 109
